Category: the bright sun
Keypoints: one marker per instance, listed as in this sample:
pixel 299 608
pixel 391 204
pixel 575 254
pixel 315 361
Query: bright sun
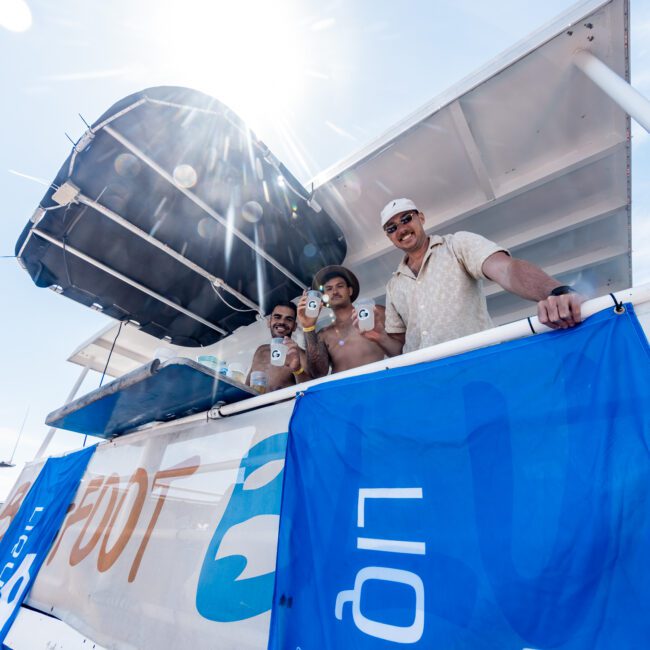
pixel 15 15
pixel 248 54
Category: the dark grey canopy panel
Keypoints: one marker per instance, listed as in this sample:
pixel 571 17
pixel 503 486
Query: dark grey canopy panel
pixel 169 212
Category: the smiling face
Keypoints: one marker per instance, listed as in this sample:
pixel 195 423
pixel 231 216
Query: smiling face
pixel 282 321
pixel 338 292
pixel 408 234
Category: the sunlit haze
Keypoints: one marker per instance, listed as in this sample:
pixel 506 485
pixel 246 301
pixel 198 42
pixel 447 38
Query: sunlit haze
pixel 251 55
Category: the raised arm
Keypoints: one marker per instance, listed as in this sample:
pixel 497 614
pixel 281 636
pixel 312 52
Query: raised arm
pixel 317 358
pixel 529 281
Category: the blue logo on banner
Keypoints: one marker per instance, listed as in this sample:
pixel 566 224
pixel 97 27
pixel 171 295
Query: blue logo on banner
pixel 223 594
pixel 497 499
pixel 32 531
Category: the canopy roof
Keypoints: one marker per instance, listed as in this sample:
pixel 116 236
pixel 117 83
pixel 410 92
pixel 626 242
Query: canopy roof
pixel 170 213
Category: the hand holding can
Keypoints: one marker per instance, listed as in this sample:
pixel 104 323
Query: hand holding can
pixel 366 314
pixel 314 301
pixel 278 351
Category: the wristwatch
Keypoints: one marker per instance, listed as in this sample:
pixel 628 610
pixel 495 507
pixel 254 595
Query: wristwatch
pixel 562 290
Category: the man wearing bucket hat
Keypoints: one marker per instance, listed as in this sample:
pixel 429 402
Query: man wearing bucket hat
pixel 435 294
pixel 338 344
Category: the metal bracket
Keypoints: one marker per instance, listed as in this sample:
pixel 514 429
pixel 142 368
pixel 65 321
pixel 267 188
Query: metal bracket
pixel 214 413
pixel 84 141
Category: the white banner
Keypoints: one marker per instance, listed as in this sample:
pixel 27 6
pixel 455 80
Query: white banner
pixel 17 494
pixel 171 539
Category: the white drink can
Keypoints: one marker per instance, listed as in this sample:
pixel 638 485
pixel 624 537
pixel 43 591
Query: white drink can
pixel 278 352
pixel 366 314
pixel 314 300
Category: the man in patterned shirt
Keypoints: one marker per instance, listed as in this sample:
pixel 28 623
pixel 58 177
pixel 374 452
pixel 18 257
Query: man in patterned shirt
pixel 435 295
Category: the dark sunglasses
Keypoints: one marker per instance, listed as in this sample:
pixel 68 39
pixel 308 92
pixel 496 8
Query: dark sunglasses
pixel 404 219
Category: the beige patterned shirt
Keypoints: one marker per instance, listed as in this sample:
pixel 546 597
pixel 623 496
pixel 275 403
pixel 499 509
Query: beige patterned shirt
pixel 445 300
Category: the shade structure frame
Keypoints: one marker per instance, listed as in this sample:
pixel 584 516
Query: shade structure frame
pixel 197 245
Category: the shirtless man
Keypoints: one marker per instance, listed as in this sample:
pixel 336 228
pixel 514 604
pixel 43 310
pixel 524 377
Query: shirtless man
pixel 339 345
pixel 282 323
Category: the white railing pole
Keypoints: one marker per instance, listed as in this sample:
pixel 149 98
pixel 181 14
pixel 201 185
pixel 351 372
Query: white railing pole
pixel 50 434
pixel 629 99
pixel 517 330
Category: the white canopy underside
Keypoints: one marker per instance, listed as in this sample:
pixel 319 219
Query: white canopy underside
pixel 527 152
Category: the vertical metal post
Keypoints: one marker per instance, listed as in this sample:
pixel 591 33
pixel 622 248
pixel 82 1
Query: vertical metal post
pixel 50 434
pixel 629 99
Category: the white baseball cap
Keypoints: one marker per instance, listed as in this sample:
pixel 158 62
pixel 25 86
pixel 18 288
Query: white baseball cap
pixel 395 207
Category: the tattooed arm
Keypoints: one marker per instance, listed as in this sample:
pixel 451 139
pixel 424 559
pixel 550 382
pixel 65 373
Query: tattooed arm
pixel 318 362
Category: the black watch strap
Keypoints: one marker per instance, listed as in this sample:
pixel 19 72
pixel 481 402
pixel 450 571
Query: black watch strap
pixel 562 290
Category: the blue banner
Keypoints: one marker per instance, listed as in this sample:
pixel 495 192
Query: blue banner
pixel 32 531
pixel 497 500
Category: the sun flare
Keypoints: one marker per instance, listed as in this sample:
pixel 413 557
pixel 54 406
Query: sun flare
pixel 15 15
pixel 247 54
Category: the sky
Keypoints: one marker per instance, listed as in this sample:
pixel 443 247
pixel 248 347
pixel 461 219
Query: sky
pixel 315 80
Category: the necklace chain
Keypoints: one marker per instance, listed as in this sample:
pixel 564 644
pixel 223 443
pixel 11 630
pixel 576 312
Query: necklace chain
pixel 343 339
